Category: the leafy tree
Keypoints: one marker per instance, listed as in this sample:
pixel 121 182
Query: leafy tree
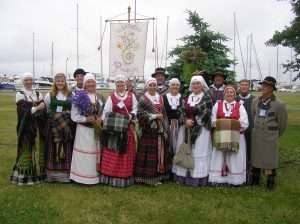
pixel 203 50
pixel 290 37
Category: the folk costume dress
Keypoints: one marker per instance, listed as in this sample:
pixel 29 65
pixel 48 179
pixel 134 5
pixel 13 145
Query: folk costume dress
pixel 236 161
pixel 29 168
pixel 198 108
pixel 153 155
pixel 119 148
pixel 172 105
pixel 86 150
pixel 59 137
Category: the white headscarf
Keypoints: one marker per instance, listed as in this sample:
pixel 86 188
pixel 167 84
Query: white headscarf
pixel 26 75
pixel 230 87
pixel 174 80
pixel 151 80
pixel 88 76
pixel 199 78
pixel 120 78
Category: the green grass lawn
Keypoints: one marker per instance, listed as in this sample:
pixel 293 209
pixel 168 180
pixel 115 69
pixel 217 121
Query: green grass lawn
pixel 169 203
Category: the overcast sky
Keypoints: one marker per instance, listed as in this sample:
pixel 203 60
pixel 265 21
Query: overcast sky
pixel 55 20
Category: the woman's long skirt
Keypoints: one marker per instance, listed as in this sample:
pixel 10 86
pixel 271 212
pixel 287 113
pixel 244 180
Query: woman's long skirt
pixel 236 162
pixel 146 165
pixel 58 157
pixel 86 155
pixel 201 151
pixel 117 169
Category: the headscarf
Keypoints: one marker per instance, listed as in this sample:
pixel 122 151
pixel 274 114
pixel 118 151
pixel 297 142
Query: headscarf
pixel 88 76
pixel 230 87
pixel 151 80
pixel 174 80
pixel 26 75
pixel 199 78
pixel 121 78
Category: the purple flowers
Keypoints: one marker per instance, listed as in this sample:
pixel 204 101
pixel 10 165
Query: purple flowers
pixel 82 101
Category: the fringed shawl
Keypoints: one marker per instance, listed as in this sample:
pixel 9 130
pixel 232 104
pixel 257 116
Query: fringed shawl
pixel 145 110
pixel 115 129
pixel 201 113
pixel 227 135
pixel 28 128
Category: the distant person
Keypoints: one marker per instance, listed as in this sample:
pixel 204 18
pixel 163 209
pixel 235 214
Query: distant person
pixel 130 86
pixel 217 89
pixel 29 168
pixel 161 76
pixel 245 99
pixel 59 131
pixel 78 76
pixel 269 123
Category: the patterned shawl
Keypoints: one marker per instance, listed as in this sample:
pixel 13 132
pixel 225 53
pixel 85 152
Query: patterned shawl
pixel 115 128
pixel 145 109
pixel 28 128
pixel 227 135
pixel 202 113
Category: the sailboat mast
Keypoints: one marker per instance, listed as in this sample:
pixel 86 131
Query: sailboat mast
pixel 234 31
pixel 33 66
pixel 247 56
pixel 77 40
pixel 52 59
pixel 101 52
pixel 250 57
pixel 167 37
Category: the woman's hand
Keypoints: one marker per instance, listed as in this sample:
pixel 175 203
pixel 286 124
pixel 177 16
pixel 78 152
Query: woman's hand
pixel 99 120
pixel 90 119
pixel 40 106
pixel 213 125
pixel 189 123
pixel 159 117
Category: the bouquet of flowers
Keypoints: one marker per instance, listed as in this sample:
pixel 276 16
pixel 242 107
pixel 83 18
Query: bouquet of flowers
pixel 82 101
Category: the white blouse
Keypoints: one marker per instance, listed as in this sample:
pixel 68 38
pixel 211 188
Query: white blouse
pixel 243 114
pixel 173 100
pixel 195 99
pixel 109 104
pixel 31 97
pixel 59 96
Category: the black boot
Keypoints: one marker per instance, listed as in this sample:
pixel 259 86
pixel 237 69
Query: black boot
pixel 271 182
pixel 255 177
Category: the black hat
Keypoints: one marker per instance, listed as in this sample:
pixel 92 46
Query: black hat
pixel 219 73
pixel 79 71
pixel 159 71
pixel 269 80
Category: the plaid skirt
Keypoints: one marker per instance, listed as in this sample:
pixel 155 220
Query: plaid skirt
pixel 117 169
pixel 146 165
pixel 58 157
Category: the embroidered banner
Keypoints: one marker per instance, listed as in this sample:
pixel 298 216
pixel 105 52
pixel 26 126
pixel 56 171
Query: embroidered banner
pixel 127 49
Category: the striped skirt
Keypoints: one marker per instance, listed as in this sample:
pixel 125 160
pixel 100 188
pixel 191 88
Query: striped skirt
pixel 86 155
pixel 146 166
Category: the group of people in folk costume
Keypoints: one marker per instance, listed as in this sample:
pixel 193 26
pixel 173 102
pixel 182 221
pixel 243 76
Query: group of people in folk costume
pixel 74 134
